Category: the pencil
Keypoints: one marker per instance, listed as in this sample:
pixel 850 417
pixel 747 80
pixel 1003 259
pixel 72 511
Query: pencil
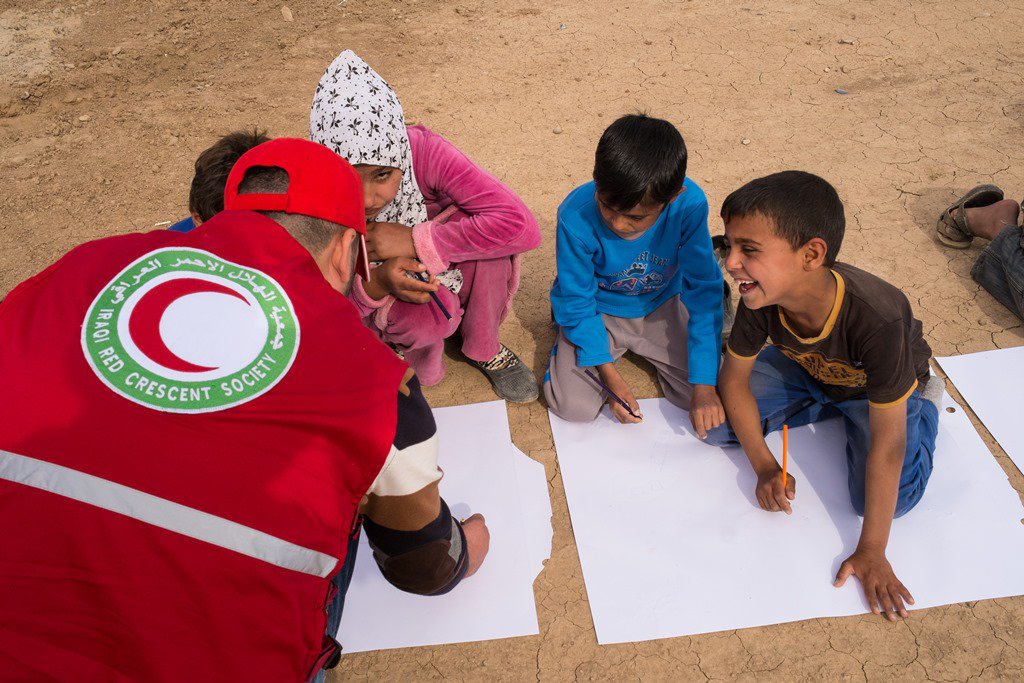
pixel 612 394
pixel 785 454
pixel 419 276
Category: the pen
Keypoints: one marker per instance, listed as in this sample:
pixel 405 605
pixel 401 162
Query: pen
pixel 611 393
pixel 419 276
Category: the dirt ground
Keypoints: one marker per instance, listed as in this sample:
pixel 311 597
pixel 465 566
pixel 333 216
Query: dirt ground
pixel 104 106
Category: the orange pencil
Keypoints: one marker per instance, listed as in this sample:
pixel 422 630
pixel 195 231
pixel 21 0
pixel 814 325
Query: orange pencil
pixel 785 454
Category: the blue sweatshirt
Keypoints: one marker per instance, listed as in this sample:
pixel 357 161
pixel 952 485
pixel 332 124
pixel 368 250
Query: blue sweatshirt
pixel 600 272
pixel 184 225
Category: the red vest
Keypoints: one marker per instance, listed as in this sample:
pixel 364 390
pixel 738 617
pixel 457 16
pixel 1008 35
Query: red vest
pixel 187 426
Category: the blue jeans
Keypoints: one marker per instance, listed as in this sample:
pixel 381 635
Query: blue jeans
pixel 341 580
pixel 1000 269
pixel 786 394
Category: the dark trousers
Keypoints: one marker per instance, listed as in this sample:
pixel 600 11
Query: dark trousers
pixel 1000 269
pixel 341 581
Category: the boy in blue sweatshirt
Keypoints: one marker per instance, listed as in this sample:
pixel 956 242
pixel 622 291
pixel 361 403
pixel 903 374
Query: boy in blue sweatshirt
pixel 636 272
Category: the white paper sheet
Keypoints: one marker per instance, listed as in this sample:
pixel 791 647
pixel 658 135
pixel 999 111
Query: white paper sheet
pixel 992 382
pixel 672 542
pixel 485 473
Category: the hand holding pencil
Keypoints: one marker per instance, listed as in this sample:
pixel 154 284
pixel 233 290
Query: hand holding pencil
pixel 623 404
pixel 775 485
pixel 400 277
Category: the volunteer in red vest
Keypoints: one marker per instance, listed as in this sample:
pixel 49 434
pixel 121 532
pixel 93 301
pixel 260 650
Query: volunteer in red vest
pixel 194 426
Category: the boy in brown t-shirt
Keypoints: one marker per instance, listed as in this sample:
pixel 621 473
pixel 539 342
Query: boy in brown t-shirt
pixel 843 343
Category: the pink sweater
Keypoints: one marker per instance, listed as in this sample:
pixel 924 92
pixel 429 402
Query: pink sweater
pixel 481 217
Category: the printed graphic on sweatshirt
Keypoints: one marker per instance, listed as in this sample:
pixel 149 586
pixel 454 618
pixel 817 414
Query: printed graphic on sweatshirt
pixel 184 331
pixel 648 273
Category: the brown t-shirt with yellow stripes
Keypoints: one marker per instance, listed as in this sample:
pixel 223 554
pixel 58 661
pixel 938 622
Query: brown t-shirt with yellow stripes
pixel 871 343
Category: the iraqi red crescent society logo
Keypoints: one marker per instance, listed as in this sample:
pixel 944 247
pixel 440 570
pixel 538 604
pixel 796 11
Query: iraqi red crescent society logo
pixel 183 330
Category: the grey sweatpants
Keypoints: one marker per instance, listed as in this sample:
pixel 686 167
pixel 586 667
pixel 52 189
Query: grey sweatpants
pixel 660 337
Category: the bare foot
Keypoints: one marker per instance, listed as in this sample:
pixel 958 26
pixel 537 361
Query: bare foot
pixel 989 221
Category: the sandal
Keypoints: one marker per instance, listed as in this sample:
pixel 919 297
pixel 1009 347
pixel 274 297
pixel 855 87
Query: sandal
pixel 952 229
pixel 512 380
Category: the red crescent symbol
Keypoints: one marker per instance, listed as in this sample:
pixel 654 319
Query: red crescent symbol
pixel 144 325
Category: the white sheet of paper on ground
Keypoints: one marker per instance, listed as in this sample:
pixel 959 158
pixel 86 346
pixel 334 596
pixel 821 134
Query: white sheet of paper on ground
pixel 672 542
pixel 992 382
pixel 483 472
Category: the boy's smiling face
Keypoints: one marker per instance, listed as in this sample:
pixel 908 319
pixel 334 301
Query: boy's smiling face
pixel 631 223
pixel 766 268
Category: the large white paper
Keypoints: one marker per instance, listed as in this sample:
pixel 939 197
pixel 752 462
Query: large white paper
pixel 672 542
pixel 485 473
pixel 992 382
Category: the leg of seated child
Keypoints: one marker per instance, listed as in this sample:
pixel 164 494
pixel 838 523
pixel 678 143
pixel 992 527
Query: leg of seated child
pixel 419 330
pixel 785 394
pixel 662 341
pixel 922 427
pixel 570 394
pixel 484 296
pixel 1000 269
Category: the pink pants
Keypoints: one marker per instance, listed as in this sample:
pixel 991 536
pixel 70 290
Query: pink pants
pixel 477 311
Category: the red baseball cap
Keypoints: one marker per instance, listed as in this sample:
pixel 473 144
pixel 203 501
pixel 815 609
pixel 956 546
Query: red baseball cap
pixel 320 184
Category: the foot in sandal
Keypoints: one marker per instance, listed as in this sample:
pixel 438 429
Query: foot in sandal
pixel 512 380
pixel 953 228
pixel 988 221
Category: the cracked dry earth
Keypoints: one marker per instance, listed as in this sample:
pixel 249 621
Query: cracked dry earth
pixel 104 106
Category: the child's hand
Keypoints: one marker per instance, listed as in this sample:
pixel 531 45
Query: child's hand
pixel 478 542
pixel 390 276
pixel 885 593
pixel 610 376
pixel 770 494
pixel 706 411
pixel 389 240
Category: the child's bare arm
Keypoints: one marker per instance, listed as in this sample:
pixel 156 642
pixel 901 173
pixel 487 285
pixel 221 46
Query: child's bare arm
pixel 884 464
pixel 741 409
pixel 885 593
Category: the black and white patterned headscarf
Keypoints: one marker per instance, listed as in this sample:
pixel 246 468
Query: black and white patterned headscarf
pixel 357 114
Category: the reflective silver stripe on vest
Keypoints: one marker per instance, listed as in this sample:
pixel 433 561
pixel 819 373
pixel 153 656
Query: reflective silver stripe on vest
pixel 163 513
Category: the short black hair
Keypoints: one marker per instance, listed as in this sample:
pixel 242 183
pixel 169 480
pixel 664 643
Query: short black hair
pixel 639 157
pixel 313 233
pixel 802 206
pixel 206 196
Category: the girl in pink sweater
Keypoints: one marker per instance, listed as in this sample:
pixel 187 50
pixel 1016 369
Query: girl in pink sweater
pixel 431 211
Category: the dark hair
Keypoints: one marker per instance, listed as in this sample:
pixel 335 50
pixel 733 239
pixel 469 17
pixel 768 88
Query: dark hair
pixel 639 157
pixel 312 233
pixel 802 206
pixel 206 196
